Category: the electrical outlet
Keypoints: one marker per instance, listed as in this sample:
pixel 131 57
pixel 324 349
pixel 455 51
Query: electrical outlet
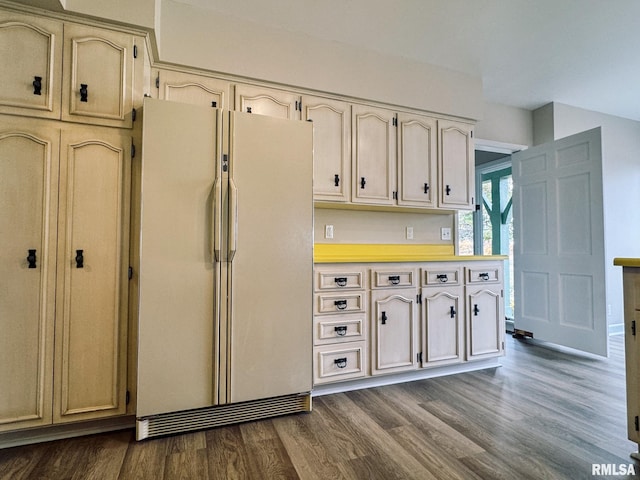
pixel 328 231
pixel 445 233
pixel 409 233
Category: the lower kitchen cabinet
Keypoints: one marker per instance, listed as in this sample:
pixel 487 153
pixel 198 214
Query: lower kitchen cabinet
pixel 453 315
pixel 442 325
pixel 393 331
pixel 64 226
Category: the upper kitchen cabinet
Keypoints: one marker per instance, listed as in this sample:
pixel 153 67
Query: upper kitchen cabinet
pixel 98 76
pixel 267 101
pixel 374 155
pixel 417 161
pixel 331 148
pixel 31 52
pixel 191 88
pixel 455 165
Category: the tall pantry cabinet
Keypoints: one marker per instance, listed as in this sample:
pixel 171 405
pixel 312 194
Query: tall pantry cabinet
pixel 64 219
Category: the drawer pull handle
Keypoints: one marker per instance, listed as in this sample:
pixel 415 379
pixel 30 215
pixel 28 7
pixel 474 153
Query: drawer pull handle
pixel 31 258
pixel 341 281
pixel 476 310
pixel 452 312
pixel 442 277
pixel 79 258
pixel 340 304
pixel 340 362
pixel 341 331
pixel 84 92
pixel 484 276
pixel 394 279
pixel 37 85
pixel 384 318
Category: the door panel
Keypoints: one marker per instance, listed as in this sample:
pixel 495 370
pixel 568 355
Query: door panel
pixel 559 259
pixel 271 231
pixel 443 313
pixel 28 213
pixel 93 248
pixel 417 161
pixel 179 279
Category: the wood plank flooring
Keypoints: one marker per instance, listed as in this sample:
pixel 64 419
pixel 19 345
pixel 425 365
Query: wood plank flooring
pixel 544 414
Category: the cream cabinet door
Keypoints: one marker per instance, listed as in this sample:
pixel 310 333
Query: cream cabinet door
pixel 28 209
pixel 193 89
pixel 393 329
pixel 442 325
pixel 31 52
pixel 455 165
pixel 97 76
pixel 91 310
pixel 331 148
pixel 485 322
pixel 267 101
pixel 417 161
pixel 374 155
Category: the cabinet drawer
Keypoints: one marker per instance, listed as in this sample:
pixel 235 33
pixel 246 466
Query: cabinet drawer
pixel 334 363
pixel 392 278
pixel 438 277
pixel 483 274
pixel 338 328
pixel 335 303
pixel 337 280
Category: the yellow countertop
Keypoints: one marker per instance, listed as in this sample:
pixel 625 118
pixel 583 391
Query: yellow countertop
pixel 627 262
pixel 354 253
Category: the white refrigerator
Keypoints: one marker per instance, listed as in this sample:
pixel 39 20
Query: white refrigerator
pixel 225 268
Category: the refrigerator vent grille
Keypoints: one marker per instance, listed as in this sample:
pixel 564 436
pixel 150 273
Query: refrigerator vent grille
pixel 210 417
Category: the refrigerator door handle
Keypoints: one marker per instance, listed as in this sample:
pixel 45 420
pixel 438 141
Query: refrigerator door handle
pixel 216 221
pixel 233 219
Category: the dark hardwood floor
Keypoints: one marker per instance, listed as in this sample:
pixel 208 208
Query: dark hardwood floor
pixel 544 414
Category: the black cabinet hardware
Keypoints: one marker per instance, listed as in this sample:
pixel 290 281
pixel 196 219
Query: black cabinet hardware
pixel 37 85
pixel 476 310
pixel 384 318
pixel 452 312
pixel 341 330
pixel 363 182
pixel 336 180
pixel 31 258
pixel 447 190
pixel 426 188
pixel 341 281
pixel 79 258
pixel 340 304
pixel 442 277
pixel 394 279
pixel 340 362
pixel 484 276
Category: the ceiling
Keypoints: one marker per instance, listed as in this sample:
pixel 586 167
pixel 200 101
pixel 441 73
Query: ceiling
pixel 584 53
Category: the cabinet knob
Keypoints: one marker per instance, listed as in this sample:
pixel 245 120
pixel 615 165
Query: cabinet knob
pixel 363 182
pixel 31 258
pixel 340 362
pixel 476 310
pixel 384 318
pixel 79 258
pixel 447 190
pixel 336 180
pixel 37 85
pixel 84 92
pixel 452 312
pixel 426 188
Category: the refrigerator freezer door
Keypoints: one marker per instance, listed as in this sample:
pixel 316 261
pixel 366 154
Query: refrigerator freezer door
pixel 178 274
pixel 271 230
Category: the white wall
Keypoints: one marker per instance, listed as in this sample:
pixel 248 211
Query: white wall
pixel 505 124
pixel 214 41
pixel 621 187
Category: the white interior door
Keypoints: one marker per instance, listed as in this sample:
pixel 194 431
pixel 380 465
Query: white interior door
pixel 559 264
